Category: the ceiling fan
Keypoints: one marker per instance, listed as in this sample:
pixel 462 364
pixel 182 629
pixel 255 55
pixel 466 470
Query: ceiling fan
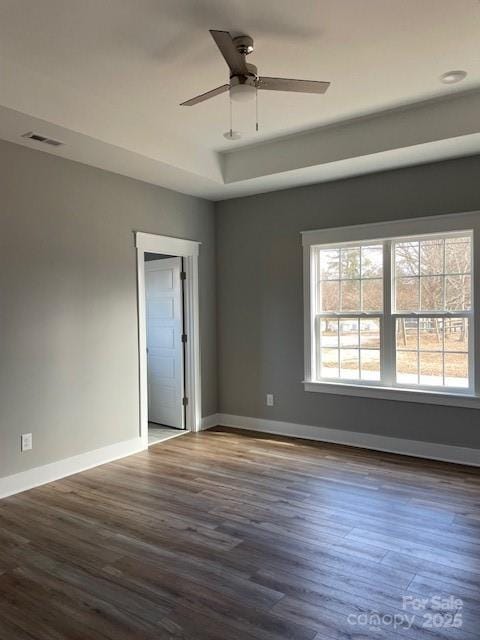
pixel 244 80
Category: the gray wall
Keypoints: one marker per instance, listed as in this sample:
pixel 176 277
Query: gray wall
pixel 68 309
pixel 260 305
pixel 68 323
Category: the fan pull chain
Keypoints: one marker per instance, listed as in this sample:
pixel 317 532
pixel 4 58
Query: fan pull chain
pixel 231 119
pixel 256 108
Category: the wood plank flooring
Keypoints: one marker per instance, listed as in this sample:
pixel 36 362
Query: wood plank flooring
pixel 228 535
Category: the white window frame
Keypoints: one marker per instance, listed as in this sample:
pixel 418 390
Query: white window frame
pixel 384 232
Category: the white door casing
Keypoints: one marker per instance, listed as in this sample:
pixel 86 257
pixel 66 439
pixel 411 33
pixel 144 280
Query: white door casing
pixel 189 250
pixel 165 368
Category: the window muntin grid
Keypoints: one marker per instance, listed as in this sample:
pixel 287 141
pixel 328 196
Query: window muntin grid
pixel 350 279
pixel 349 347
pixel 432 274
pixel 440 266
pixel 432 351
pixel 349 304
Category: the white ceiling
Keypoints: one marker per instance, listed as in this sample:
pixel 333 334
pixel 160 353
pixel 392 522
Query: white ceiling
pixel 107 76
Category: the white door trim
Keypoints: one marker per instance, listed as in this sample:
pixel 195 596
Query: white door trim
pixel 187 249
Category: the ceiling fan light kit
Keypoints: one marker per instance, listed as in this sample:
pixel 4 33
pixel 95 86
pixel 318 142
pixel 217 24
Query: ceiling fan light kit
pixel 244 81
pixel 243 90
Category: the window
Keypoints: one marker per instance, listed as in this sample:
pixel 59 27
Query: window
pixel 349 308
pixel 392 311
pixel 432 306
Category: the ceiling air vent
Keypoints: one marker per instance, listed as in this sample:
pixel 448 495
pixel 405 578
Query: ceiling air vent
pixel 39 138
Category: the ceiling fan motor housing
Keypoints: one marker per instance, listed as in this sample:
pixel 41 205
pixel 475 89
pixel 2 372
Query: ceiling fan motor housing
pixel 244 44
pixel 251 78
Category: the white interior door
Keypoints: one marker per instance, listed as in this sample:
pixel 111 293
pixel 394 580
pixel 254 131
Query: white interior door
pixel 164 309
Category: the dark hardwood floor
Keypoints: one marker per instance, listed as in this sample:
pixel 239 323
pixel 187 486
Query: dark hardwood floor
pixel 228 535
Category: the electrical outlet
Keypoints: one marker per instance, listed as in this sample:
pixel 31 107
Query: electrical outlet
pixel 269 399
pixel 27 441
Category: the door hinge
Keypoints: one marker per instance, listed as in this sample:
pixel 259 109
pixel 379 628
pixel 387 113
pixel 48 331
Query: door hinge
pixel 183 275
pixel 184 337
pixel 184 401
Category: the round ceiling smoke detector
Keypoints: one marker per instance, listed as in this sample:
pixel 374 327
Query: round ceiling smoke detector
pixel 451 77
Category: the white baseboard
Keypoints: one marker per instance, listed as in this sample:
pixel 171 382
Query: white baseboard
pixel 37 476
pixel 209 421
pixel 416 448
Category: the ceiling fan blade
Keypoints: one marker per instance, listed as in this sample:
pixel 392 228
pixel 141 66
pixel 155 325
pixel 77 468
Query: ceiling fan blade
pixel 206 96
pixel 288 84
pixel 229 51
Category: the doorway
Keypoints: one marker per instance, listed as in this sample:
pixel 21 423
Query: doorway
pixel 166 337
pixel 167 272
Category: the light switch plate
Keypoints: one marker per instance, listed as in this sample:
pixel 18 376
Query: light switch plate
pixel 269 399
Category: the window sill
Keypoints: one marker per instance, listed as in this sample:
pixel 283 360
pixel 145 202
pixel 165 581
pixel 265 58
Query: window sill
pixel 392 393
